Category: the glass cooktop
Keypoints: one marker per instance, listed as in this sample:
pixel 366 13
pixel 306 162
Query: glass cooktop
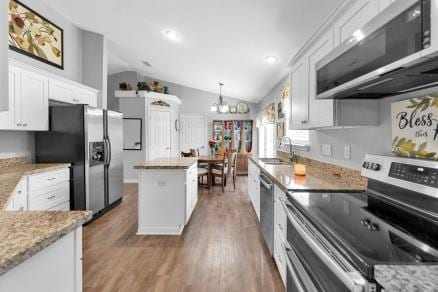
pixel 371 228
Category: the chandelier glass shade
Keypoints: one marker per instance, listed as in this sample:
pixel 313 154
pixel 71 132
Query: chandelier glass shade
pixel 221 106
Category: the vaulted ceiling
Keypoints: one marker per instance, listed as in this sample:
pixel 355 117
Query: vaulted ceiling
pixel 221 40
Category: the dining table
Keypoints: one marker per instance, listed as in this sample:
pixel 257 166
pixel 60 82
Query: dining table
pixel 211 160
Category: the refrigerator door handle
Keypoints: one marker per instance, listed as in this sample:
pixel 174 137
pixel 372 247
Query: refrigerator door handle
pixel 106 150
pixel 109 151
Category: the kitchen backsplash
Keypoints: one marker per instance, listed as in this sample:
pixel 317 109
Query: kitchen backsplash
pixel 8 162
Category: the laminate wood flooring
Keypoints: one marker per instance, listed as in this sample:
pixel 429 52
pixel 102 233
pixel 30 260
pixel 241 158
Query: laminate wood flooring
pixel 220 250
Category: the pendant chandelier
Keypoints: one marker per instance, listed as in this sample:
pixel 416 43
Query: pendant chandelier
pixel 221 106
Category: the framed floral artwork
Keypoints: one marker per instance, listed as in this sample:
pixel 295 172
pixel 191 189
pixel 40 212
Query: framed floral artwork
pixel 33 35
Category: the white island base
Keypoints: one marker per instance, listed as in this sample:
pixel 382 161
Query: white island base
pixel 166 197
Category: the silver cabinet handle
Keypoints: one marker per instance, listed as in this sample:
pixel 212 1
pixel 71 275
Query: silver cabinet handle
pixel 24 125
pixel 51 197
pixel 304 122
pixel 52 178
pixel 19 125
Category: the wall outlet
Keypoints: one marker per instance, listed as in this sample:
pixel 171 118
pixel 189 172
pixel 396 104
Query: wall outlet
pixel 327 149
pixel 347 152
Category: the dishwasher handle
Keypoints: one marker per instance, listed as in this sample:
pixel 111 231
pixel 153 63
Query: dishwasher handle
pixel 265 182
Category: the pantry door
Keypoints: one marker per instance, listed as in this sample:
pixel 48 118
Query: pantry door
pixel 193 133
pixel 160 133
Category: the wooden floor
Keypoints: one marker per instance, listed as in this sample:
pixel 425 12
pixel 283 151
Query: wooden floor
pixel 220 250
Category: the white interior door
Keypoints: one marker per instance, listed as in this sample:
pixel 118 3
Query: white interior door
pixel 159 140
pixel 193 132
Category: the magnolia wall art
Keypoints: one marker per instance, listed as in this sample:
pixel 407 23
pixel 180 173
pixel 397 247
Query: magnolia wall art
pixel 33 35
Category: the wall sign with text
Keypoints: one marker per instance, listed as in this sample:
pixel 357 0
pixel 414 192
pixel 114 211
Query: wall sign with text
pixel 415 127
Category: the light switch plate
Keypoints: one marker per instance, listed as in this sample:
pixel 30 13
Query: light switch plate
pixel 327 149
pixel 347 152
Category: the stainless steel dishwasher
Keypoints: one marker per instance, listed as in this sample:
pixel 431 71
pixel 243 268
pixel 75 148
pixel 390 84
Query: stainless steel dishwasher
pixel 267 210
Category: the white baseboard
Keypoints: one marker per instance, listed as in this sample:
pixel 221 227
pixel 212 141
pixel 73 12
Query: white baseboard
pixel 161 230
pixel 130 181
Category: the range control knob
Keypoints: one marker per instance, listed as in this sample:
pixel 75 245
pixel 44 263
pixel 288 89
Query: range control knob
pixel 375 166
pixel 373 227
pixel 365 222
pixel 366 165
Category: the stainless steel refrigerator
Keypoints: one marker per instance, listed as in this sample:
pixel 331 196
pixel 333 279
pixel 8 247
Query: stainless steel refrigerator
pixel 91 139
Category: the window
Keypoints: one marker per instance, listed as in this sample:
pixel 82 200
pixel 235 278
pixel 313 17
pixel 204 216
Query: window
pixel 267 140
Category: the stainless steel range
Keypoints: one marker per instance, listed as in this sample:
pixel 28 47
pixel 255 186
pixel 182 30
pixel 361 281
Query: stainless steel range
pixel 336 239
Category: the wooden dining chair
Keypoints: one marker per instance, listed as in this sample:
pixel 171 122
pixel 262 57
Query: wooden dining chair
pixel 220 170
pixel 232 167
pixel 195 153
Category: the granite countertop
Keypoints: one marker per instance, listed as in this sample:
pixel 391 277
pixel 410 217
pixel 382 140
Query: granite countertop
pixel 168 163
pixel 399 278
pixel 11 176
pixel 315 180
pixel 25 233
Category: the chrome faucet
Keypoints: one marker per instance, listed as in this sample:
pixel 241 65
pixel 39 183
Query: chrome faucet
pixel 291 149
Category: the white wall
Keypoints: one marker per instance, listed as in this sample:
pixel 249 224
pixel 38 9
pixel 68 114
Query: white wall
pixel 374 140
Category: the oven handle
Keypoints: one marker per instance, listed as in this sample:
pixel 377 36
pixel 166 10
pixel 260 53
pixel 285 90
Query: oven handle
pixel 298 272
pixel 353 280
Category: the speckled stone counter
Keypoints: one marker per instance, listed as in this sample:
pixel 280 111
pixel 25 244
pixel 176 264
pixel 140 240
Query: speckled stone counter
pixel 317 179
pixel 410 278
pixel 25 233
pixel 168 163
pixel 10 177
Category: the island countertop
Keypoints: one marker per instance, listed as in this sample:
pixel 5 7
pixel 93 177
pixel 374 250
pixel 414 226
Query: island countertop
pixel 168 163
pixel 407 278
pixel 25 233
pixel 315 180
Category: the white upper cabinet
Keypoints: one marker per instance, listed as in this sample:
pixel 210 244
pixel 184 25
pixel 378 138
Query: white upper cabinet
pixel 34 101
pixel 354 18
pixel 321 111
pixel 28 101
pixel 299 94
pixel 68 92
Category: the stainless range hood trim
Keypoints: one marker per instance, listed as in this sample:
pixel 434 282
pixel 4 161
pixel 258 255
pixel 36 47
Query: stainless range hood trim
pixel 405 62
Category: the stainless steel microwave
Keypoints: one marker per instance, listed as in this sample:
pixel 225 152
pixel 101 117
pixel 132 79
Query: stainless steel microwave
pixel 394 53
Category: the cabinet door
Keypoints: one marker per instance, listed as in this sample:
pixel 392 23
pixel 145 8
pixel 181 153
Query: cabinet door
pixel 34 101
pixel 320 111
pixel 299 95
pixel 7 120
pixel 384 3
pixel 355 17
pixel 61 91
pixel 86 97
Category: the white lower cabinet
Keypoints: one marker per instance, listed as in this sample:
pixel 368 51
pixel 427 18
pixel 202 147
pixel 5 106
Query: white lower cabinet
pixel 55 268
pixel 254 187
pixel 46 191
pixel 280 232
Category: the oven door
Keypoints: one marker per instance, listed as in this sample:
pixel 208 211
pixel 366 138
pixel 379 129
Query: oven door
pixel 314 265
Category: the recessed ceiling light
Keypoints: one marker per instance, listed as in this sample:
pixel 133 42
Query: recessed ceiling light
pixel 271 60
pixel 172 35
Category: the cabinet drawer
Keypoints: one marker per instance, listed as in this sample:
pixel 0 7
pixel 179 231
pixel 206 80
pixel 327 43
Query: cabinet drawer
pixel 62 207
pixel 280 255
pixel 50 197
pixel 47 179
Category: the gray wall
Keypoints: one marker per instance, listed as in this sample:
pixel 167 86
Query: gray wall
pixel 95 64
pixel 375 140
pixel 193 100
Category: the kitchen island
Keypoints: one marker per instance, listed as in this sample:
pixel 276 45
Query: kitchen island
pixel 167 194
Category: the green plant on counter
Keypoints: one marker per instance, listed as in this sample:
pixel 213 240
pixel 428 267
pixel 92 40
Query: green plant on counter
pixel 407 148
pixel 424 102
